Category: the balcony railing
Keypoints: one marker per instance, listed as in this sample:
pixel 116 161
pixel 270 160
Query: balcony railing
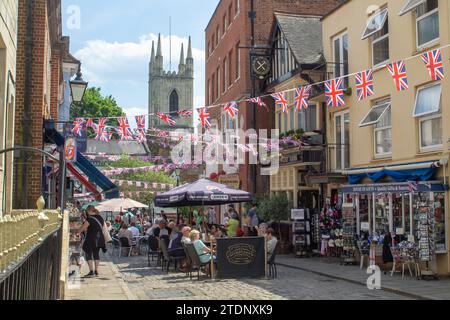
pixel 30 255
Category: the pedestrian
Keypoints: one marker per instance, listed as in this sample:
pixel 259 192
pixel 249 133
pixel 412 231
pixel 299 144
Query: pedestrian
pixel 94 240
pixel 387 254
pixel 211 215
pixel 253 221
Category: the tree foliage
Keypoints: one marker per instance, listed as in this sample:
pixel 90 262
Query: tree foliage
pixel 96 105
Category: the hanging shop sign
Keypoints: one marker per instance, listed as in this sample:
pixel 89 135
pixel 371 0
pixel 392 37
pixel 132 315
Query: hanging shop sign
pixel 232 181
pixel 70 150
pixel 396 188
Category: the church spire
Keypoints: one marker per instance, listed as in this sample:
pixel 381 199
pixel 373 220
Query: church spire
pixel 159 61
pixel 181 66
pixel 152 58
pixel 189 60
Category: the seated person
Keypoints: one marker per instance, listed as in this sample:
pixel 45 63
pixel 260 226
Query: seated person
pixel 202 250
pixel 232 226
pixel 161 230
pixel 217 232
pixel 186 231
pixel 271 242
pixel 262 229
pixel 134 230
pixel 175 247
pixel 125 233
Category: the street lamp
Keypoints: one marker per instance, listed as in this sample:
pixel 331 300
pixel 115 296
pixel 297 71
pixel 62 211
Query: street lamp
pixel 78 87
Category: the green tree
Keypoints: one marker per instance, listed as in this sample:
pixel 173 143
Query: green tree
pixel 275 208
pixel 96 105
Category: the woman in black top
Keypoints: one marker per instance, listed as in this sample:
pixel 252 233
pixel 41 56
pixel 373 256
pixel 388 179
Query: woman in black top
pixel 94 241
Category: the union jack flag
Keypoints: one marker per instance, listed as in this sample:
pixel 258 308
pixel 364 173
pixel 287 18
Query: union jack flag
pixel 280 99
pixel 334 93
pixel 124 129
pixel 302 97
pixel 364 84
pixel 398 73
pixel 78 126
pixel 412 186
pixel 185 113
pixel 89 123
pixel 100 129
pixel 435 66
pixel 258 101
pixel 232 109
pixel 166 118
pixel 203 115
pixel 140 121
pixel 141 135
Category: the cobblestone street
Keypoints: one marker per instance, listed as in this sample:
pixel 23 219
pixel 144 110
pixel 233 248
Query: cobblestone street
pixel 153 284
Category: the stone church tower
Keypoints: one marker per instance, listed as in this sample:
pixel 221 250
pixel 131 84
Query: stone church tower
pixel 170 92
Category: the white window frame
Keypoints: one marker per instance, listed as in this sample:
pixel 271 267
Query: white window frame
pixel 420 115
pixel 405 8
pixel 431 42
pixel 388 106
pixel 339 37
pixel 375 130
pixel 436 147
pixel 343 147
pixel 366 36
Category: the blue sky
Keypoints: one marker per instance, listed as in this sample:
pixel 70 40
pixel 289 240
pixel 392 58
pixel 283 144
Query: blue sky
pixel 112 38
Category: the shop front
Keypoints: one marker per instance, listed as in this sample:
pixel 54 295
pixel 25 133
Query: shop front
pixel 414 211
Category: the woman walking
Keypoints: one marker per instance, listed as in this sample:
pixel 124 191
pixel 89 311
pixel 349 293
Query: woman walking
pixel 94 240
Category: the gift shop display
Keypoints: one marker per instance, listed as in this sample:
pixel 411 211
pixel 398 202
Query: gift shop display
pixel 76 259
pixel 301 232
pixel 348 235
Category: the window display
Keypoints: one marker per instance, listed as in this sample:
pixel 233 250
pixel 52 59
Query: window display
pixel 381 214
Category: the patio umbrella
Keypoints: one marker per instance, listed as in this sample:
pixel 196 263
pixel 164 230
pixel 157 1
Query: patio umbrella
pixel 119 204
pixel 95 203
pixel 201 192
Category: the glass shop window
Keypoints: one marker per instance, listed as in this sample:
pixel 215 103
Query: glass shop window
pixel 382 214
pixel 365 209
pixel 401 216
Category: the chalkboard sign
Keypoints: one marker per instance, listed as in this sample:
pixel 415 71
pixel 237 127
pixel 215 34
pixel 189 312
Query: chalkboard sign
pixel 241 258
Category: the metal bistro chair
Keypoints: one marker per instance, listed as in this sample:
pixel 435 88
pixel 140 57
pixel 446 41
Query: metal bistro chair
pixel 400 260
pixel 195 264
pixel 188 261
pixel 153 250
pixel 273 273
pixel 125 245
pixel 115 245
pixel 167 258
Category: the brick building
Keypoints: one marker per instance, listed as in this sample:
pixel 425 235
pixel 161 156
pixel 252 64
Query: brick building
pixel 40 52
pixel 228 78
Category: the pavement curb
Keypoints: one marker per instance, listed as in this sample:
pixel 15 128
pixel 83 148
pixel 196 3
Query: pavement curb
pixel 386 289
pixel 123 285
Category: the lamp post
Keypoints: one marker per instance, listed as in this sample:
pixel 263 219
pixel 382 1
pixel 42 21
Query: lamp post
pixel 77 90
pixel 178 172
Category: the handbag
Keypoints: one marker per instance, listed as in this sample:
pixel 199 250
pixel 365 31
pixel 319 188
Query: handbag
pixel 105 231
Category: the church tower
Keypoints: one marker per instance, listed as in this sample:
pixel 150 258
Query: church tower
pixel 170 92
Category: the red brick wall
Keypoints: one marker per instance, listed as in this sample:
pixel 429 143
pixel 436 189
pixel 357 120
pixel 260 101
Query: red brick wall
pixel 28 171
pixel 240 31
pixel 55 82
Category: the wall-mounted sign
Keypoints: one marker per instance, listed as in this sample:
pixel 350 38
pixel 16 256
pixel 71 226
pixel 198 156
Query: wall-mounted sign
pixel 70 150
pixel 232 181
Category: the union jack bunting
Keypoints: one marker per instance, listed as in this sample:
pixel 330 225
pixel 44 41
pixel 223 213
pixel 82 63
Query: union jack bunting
pixel 258 101
pixel 110 134
pixel 78 126
pixel 89 123
pixel 232 109
pixel 398 73
pixel 435 66
pixel 140 121
pixel 334 93
pixel 185 113
pixel 364 84
pixel 412 186
pixel 203 115
pixel 124 129
pixel 141 135
pixel 100 129
pixel 163 134
pixel 302 97
pixel 280 99
pixel 166 118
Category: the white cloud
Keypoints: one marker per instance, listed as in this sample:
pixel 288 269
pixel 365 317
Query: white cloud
pixel 121 68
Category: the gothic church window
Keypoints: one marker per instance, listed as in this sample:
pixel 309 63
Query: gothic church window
pixel 173 104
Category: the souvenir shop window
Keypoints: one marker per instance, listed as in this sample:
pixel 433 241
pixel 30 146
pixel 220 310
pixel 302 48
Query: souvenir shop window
pixel 365 208
pixel 401 214
pixel 382 214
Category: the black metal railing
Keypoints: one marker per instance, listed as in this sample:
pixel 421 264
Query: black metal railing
pixel 37 275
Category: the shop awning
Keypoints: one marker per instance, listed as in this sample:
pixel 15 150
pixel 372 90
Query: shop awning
pixel 422 171
pixel 411 187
